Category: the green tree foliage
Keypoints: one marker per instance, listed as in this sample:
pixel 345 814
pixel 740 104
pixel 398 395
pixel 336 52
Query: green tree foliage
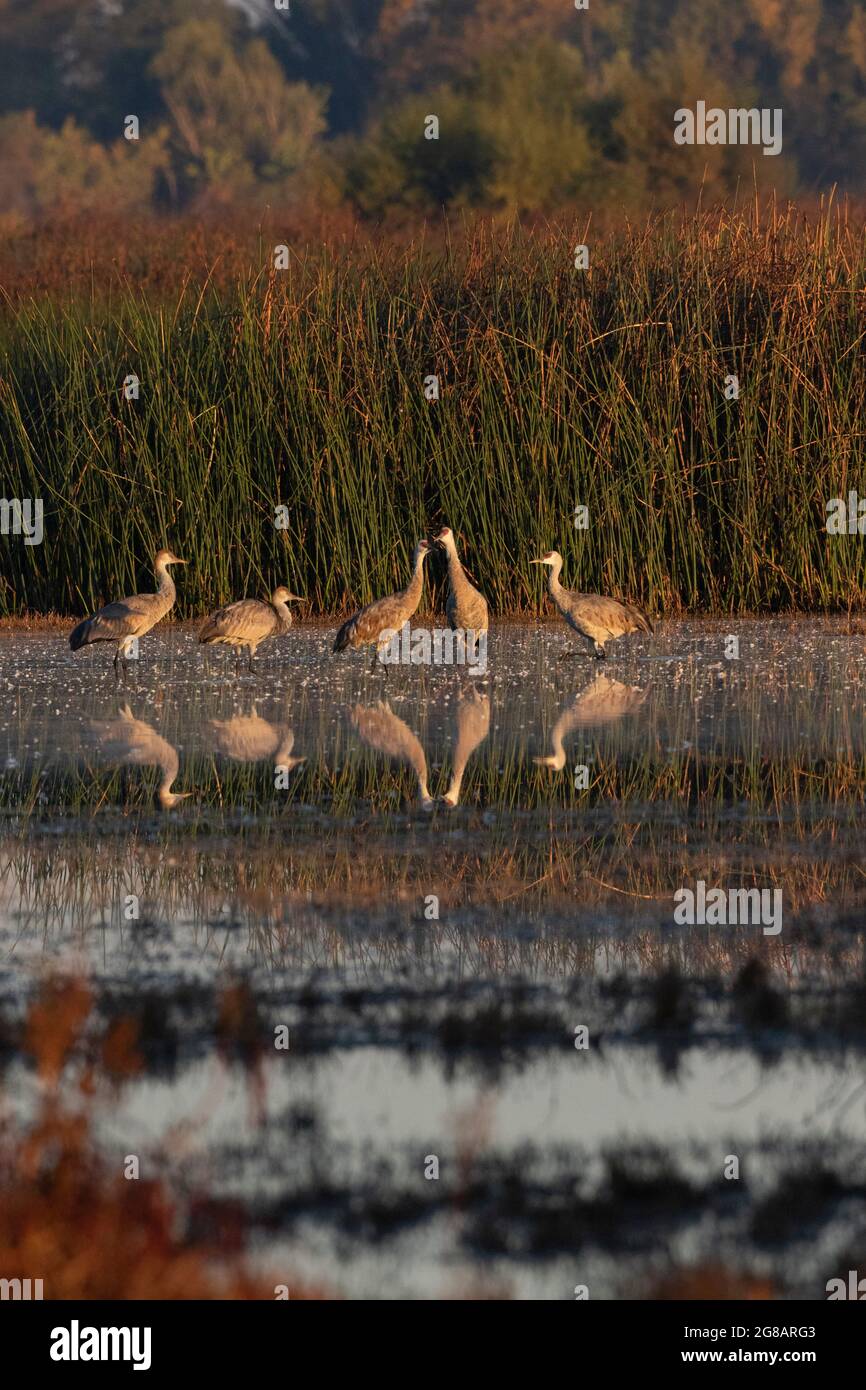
pixel 531 109
pixel 541 106
pixel 651 168
pixel 396 166
pixel 511 137
pixel 44 170
pixel 236 121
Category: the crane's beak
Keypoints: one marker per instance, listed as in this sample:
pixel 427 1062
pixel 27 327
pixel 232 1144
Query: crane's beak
pixel 298 598
pixel 536 562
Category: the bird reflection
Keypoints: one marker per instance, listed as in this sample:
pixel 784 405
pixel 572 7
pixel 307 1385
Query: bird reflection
pixel 471 727
pixel 380 728
pixel 247 738
pixel 130 742
pixel 601 702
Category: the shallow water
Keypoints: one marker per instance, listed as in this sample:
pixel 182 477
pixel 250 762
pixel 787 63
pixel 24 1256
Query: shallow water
pixel 796 690
pixel 432 961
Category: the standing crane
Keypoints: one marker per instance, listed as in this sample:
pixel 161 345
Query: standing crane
pixel 592 616
pixel 465 607
pixel 249 621
pixel 127 619
pixel 379 620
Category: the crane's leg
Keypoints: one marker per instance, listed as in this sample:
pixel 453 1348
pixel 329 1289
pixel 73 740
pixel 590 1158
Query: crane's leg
pixel 600 652
pixel 251 651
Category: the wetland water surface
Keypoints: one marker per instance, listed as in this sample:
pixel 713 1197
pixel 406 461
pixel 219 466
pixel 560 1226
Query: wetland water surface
pixel 431 882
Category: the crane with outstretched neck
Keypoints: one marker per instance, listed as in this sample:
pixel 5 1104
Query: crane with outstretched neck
pixel 594 617
pixel 375 624
pixel 127 619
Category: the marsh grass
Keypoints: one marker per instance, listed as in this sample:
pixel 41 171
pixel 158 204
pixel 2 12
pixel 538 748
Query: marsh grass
pixel 604 388
pixel 623 861
pixel 717 792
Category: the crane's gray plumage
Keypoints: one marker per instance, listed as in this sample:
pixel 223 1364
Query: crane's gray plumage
pixel 249 621
pixel 465 607
pixel 385 615
pixel 597 619
pixel 129 618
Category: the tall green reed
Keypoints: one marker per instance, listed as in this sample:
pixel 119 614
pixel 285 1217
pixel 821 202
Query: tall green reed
pixel 557 387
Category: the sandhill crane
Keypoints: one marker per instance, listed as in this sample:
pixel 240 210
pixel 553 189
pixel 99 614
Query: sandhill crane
pixel 471 727
pixel 602 702
pixel 380 728
pixel 129 618
pixel 592 616
pixel 385 615
pixel 465 607
pixel 247 738
pixel 131 742
pixel 249 621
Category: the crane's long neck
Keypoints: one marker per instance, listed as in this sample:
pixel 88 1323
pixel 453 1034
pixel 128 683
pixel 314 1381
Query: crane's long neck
pixel 283 755
pixel 165 585
pixel 281 608
pixel 461 758
pixel 556 743
pixel 412 592
pixel 169 765
pixel 455 569
pixel 554 587
pixel 418 763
